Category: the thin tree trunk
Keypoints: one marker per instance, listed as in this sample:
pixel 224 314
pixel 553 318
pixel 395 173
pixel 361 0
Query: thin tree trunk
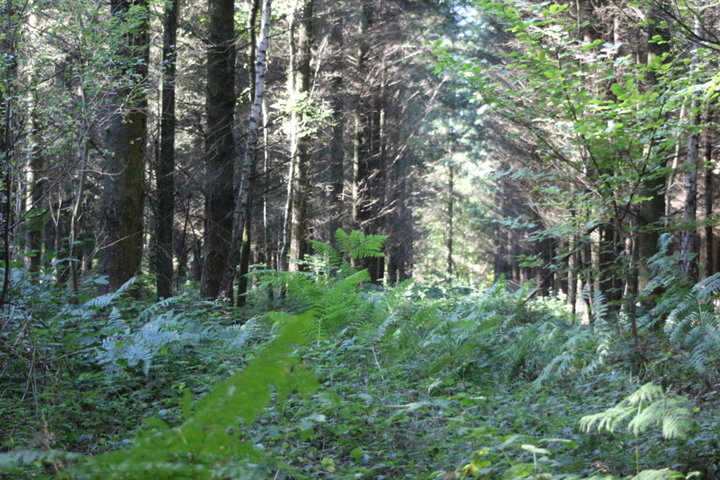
pixel 284 246
pixel 709 197
pixel 654 186
pixel 182 250
pixel 360 137
pixel 301 157
pixel 165 175
pixel 74 266
pixel 573 267
pixel 631 291
pixel 586 271
pixel 688 236
pixel 244 165
pixel 269 254
pixel 37 181
pixel 8 79
pixel 450 207
pixel 337 142
pixel 252 47
pixel 609 252
pixel 245 262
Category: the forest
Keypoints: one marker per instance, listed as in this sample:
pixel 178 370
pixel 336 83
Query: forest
pixel 371 239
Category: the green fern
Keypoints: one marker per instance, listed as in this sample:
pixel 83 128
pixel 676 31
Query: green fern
pixel 600 307
pixel 138 345
pixel 209 443
pixel 707 288
pixel 359 245
pixel 645 407
pixel 103 301
pixel 576 347
pixel 693 328
pixel 329 256
pixel 603 336
pixel 206 444
pixel 10 461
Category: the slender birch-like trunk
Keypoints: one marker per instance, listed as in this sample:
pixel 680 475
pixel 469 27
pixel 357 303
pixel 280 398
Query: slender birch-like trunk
pixel 244 164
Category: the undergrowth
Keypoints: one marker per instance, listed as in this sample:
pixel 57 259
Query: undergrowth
pixel 347 381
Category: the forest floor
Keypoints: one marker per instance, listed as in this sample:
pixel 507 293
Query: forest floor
pixel 416 382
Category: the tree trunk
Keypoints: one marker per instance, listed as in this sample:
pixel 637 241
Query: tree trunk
pixel 688 236
pixel 360 112
pixel 75 266
pixel 165 175
pixel 371 168
pixel 122 201
pixel 450 207
pixel 573 268
pixel 244 164
pixel 610 282
pixel 338 214
pixel 8 84
pixel 652 211
pixel 37 182
pixel 709 197
pixel 302 141
pixel 268 246
pixel 244 262
pixel 219 145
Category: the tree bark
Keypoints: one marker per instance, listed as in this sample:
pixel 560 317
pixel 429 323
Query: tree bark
pixel 122 201
pixel 610 248
pixel 8 80
pixel 244 164
pixel 709 198
pixel 245 262
pixel 450 208
pixel 573 267
pixel 37 181
pixel 370 148
pixel 651 212
pixel 688 236
pixel 75 266
pixel 338 214
pixel 165 174
pixel 302 141
pixel 219 145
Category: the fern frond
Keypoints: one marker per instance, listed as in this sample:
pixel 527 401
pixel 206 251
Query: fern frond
pixel 609 420
pixel 650 406
pixel 677 421
pixel 678 331
pixel 686 304
pixel 204 444
pixel 600 306
pixel 707 287
pixel 671 413
pixel 664 243
pixel 237 336
pixel 103 301
pixel 331 256
pixel 142 345
pixel 359 245
pixel 390 322
pixel 645 394
pixel 557 367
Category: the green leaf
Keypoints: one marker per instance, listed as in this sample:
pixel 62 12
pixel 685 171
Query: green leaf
pixel 535 450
